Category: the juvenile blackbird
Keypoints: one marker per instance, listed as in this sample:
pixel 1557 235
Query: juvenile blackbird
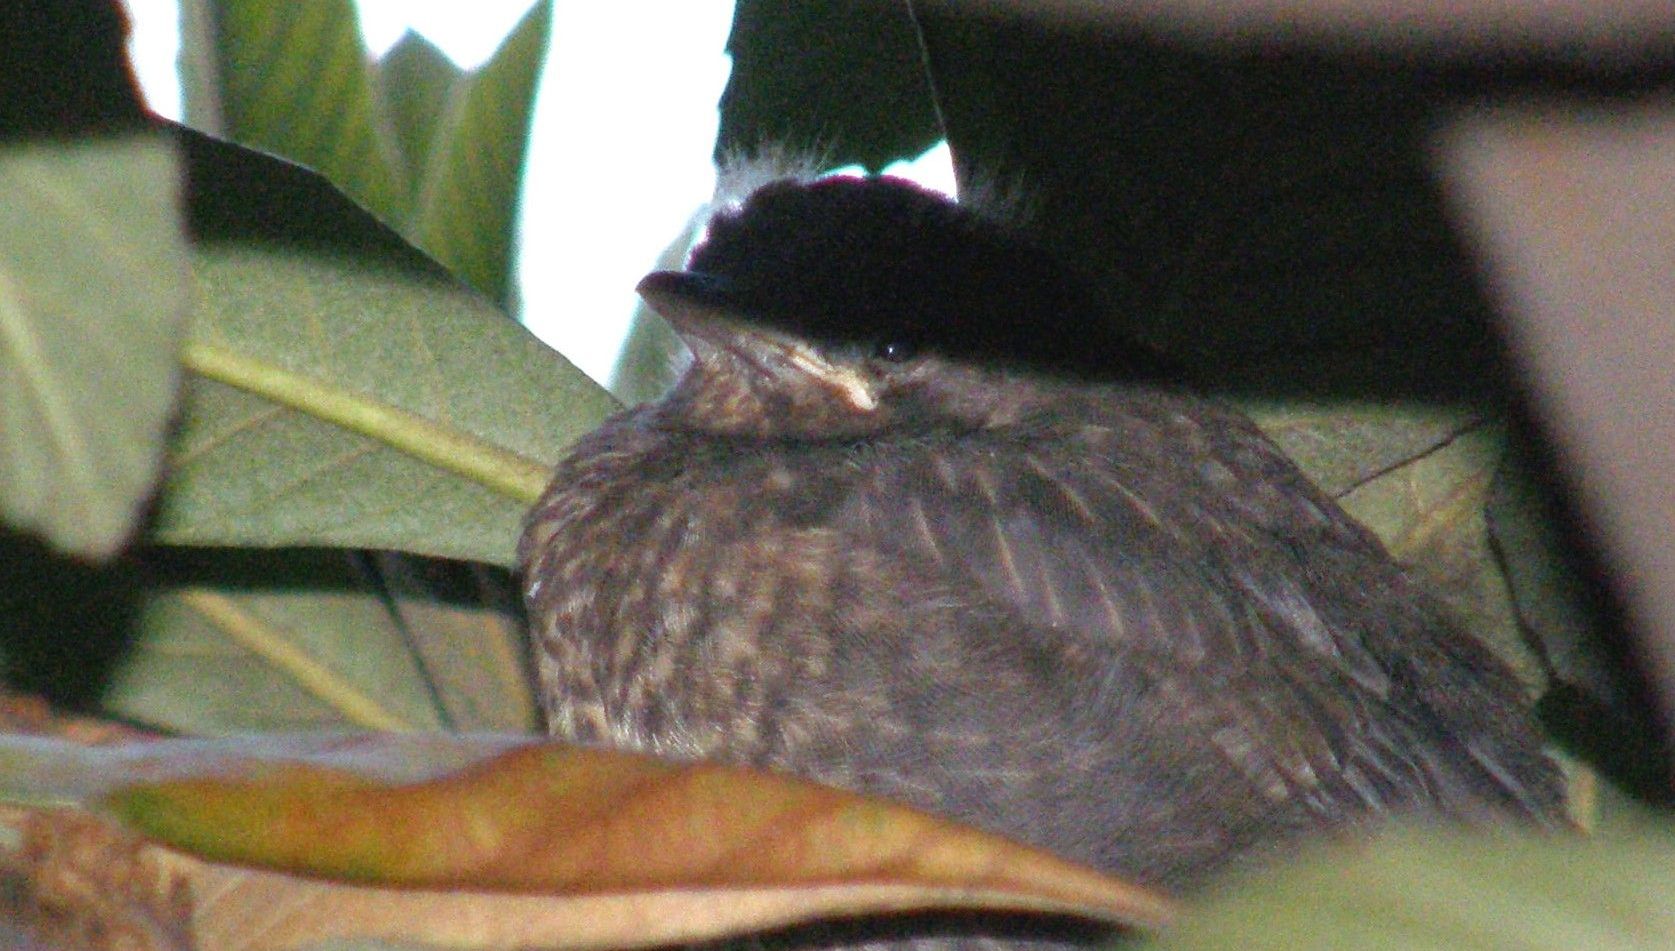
pixel 908 525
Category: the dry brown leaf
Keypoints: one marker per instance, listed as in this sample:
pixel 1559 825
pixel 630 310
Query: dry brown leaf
pixel 122 887
pixel 28 715
pixel 74 881
pixel 556 819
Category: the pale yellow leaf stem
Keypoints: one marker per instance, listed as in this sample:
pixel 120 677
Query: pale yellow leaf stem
pixel 1464 500
pixel 434 443
pixel 272 646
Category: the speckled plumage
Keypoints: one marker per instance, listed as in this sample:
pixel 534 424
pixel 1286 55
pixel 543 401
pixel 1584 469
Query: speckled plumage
pixel 1106 617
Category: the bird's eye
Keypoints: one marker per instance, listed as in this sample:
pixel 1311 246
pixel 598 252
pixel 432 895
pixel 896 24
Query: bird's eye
pixel 895 351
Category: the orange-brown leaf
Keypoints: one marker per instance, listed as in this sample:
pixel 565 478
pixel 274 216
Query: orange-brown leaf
pixel 555 819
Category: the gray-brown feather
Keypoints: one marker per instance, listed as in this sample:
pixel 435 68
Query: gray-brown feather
pixel 1135 635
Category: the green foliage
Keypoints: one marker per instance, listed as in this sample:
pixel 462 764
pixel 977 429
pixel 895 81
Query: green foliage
pixel 336 395
pixel 341 389
pixel 1429 889
pixel 468 167
pixel 434 151
pixel 339 394
pixel 293 79
pixel 92 306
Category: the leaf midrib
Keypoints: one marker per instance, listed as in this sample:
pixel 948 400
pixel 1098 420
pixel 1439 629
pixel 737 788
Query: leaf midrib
pixel 435 443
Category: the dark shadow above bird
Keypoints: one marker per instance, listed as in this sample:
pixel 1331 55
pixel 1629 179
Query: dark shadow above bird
pixel 911 524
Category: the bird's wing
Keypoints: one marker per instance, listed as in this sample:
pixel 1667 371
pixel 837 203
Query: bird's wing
pixel 1235 596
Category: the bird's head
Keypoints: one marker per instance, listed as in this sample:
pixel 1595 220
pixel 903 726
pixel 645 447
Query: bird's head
pixel 846 306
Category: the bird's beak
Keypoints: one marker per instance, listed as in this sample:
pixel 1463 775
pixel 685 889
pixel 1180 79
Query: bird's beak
pixel 702 308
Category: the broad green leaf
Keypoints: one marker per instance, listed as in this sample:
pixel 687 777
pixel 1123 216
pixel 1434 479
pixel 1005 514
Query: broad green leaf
pixel 319 638
pixel 1419 890
pixel 344 390
pixel 435 152
pixel 414 79
pixel 465 625
pixel 308 639
pixel 92 301
pixel 467 177
pixel 293 79
pixel 290 640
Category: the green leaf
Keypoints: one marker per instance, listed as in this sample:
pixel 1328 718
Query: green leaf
pixel 435 152
pixel 414 78
pixel 1431 890
pixel 293 79
pixel 469 173
pixel 290 640
pixel 92 296
pixel 465 625
pixel 347 392
pixel 318 639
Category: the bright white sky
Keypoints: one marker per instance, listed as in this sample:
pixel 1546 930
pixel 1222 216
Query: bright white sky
pixel 619 160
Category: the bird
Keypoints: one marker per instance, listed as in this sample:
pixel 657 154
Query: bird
pixel 914 523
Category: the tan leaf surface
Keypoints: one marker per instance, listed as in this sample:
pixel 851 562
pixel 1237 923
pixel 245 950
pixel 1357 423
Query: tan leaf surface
pixel 73 881
pixel 248 910
pixel 1429 512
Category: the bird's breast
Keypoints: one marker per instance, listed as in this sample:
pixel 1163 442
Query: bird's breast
pixel 656 570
